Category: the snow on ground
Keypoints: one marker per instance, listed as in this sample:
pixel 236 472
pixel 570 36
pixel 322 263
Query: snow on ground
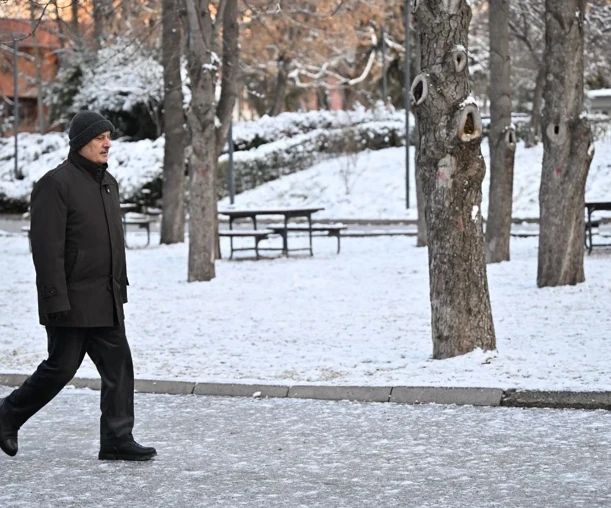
pixel 358 318
pixel 377 185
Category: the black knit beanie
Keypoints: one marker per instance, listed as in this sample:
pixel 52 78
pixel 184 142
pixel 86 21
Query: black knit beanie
pixel 85 126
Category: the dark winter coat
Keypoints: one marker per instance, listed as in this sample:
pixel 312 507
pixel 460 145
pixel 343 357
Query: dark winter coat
pixel 78 245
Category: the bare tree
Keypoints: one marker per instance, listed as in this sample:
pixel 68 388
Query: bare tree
pixel 501 136
pixel 74 23
pixel 568 147
pixel 282 78
pixel 101 10
pixel 35 17
pixel 173 219
pixel 526 25
pixel 207 120
pixel 452 170
pixel 60 27
pixel 421 239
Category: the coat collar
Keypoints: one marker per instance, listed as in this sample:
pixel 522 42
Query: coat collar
pixel 98 171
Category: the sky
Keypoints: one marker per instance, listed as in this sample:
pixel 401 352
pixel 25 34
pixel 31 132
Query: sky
pixel 358 318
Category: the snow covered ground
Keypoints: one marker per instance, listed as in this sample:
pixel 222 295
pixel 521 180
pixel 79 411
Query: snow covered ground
pixel 361 317
pixel 377 185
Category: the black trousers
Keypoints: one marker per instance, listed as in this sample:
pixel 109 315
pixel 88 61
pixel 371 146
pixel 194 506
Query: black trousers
pixel 108 349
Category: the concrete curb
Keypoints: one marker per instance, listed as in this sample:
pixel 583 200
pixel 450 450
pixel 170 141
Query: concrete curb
pixel 560 399
pixel 356 393
pixel 459 396
pixel 473 396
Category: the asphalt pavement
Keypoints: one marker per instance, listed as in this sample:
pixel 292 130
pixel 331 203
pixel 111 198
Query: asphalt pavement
pixel 249 452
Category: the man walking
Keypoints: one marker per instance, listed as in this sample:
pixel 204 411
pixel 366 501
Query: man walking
pixel 79 256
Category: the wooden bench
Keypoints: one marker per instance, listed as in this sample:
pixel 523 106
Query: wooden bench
pixel 591 223
pixel 26 229
pixel 142 222
pixel 330 230
pixel 257 234
pixel 589 233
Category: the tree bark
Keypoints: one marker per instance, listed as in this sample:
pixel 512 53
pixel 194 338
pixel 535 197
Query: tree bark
pixel 40 88
pixel 126 14
pixel 452 170
pixel 229 72
pixel 534 135
pixel 173 218
pixel 100 13
pixel 74 23
pixel 279 88
pixel 421 239
pixel 568 147
pixel 207 138
pixel 501 137
pixel 60 31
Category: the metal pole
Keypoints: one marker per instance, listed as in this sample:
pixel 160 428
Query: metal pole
pixel 231 173
pixel 16 107
pixel 384 82
pixel 408 82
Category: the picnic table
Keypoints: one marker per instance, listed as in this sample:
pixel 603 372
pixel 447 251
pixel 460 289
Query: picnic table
pixel 288 213
pixel 142 221
pixel 591 207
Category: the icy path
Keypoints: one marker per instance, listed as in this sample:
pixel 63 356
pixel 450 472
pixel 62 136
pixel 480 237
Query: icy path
pixel 297 453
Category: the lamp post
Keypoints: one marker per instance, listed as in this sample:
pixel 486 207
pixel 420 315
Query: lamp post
pixel 231 176
pixel 384 82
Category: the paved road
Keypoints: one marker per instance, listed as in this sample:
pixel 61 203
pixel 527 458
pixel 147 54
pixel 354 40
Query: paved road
pixel 220 452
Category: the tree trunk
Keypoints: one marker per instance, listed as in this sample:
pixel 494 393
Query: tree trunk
pixel 202 159
pixel 534 135
pixel 421 240
pixel 60 31
pixel 173 218
pixel 40 88
pixel 99 14
pixel 206 138
pixel 229 72
pixel 74 23
pixel 568 147
pixel 452 170
pixel 501 137
pixel 126 14
pixel 280 88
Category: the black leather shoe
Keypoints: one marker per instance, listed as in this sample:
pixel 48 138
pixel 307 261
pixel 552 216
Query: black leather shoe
pixel 127 451
pixel 8 435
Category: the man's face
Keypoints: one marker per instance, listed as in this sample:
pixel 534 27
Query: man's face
pixel 97 149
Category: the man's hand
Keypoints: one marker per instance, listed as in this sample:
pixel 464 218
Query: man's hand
pixel 55 316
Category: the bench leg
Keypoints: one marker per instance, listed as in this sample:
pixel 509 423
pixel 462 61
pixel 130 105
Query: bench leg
pixel 310 231
pixel 148 235
pixel 338 246
pixel 588 239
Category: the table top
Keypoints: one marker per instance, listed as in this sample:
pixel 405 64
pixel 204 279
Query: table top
pixel 598 205
pixel 287 211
